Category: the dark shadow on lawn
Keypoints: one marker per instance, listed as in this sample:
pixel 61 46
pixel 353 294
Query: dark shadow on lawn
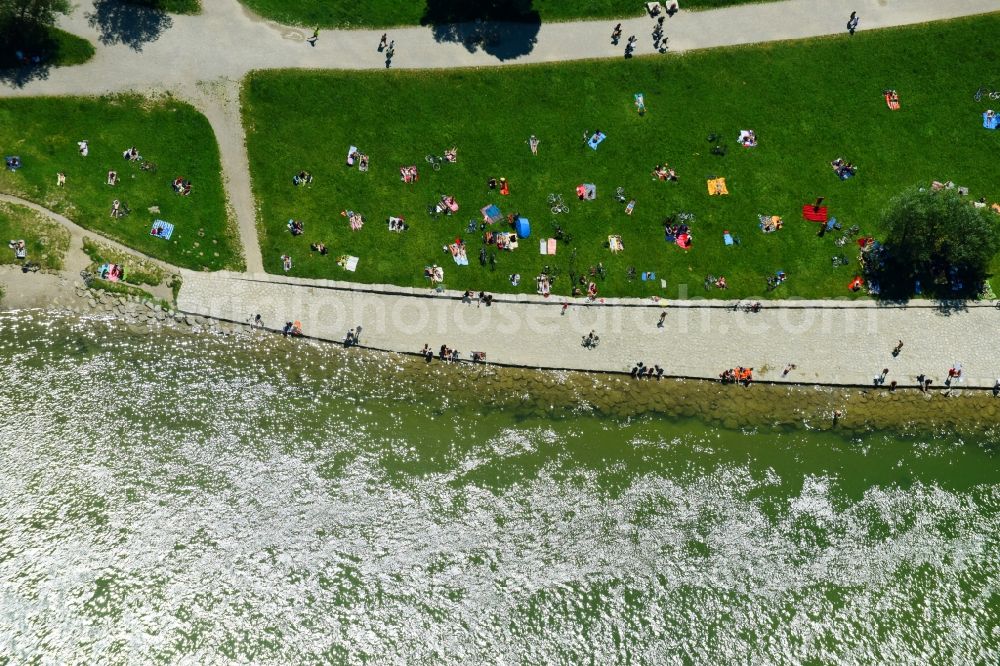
pixel 504 29
pixel 121 22
pixel 33 44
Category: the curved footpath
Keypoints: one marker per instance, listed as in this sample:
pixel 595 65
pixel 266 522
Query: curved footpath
pixel 838 343
pixel 227 41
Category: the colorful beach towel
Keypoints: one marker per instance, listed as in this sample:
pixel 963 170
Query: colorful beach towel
pixel 595 140
pixel 162 229
pixel 991 120
pixel 491 214
pixel 717 187
pixel 891 100
pixel 727 238
pixel 813 214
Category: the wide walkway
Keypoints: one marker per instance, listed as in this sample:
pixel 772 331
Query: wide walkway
pixel 845 345
pixel 226 41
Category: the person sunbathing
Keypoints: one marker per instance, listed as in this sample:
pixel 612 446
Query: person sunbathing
pixel 302 178
pixel 533 144
pixel 318 247
pixel 451 155
pixel 131 154
pixel 721 283
pixel 363 163
pixel 286 262
pixel 296 227
pixel 112 178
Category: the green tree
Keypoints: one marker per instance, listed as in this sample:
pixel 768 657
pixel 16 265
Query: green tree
pixel 31 14
pixel 939 239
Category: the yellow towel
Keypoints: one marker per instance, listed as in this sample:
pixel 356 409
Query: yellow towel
pixel 717 186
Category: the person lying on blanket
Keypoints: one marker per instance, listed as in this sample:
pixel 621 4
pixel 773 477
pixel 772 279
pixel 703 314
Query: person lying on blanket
pixel 451 155
pixel 664 172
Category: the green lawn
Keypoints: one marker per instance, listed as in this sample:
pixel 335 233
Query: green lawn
pixel 375 13
pixel 173 135
pixel 171 6
pixel 46 241
pixel 809 102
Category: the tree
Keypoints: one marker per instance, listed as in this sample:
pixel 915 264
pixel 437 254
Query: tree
pixel 31 14
pixel 939 239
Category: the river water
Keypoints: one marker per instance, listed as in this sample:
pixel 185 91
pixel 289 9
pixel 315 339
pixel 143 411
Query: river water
pixel 179 498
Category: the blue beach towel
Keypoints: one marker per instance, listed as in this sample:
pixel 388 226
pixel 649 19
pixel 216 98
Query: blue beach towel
pixel 162 229
pixel 596 140
pixel 988 122
pixel 727 238
pixel 648 276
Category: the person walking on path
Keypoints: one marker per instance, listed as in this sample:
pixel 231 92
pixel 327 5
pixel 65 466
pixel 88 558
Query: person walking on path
pixel 616 34
pixel 898 348
pixel 852 23
pixel 382 42
pixel 315 36
pixel 663 318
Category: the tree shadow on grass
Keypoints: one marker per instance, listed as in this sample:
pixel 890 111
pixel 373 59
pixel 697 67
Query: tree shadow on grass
pixel 123 23
pixel 32 45
pixel 505 29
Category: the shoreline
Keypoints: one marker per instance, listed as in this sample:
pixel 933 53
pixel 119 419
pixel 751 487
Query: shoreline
pixel 547 393
pixel 58 294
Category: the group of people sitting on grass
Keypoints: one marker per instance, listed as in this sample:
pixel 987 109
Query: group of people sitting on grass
pixel 770 223
pixel 397 224
pixel 664 172
pixel 737 376
pixel 302 178
pixel 774 281
pixel 182 186
pixel 354 156
pixel 843 169
pixel 132 155
pixel 13 162
pixel 356 220
pixel 408 174
pixel 677 233
pixel 296 227
pixel 717 282
pixel 318 247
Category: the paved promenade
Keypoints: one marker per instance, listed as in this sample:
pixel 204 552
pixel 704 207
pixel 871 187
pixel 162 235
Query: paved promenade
pixel 846 343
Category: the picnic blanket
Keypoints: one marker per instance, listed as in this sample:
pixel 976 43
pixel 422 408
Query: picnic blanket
pixel 162 229
pixel 991 120
pixel 408 174
pixel 769 223
pixel 350 155
pixel 683 241
pixel 458 254
pixel 586 191
pixel 506 240
pixel 747 138
pixel 891 100
pixel 813 214
pixel 717 186
pixel 349 263
pixel 615 244
pixel 648 275
pixel 547 246
pixel 356 220
pixel 595 140
pixel 727 238
pixel 491 213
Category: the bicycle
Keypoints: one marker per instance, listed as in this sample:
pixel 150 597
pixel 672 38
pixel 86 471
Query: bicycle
pixel 557 205
pixel 620 195
pixel 435 161
pixel 559 234
pixel 840 260
pixel 992 94
pixel 148 166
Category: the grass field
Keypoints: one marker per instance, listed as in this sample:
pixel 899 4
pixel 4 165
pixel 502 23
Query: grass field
pixel 809 103
pixel 375 13
pixel 173 135
pixel 46 241
pixel 171 6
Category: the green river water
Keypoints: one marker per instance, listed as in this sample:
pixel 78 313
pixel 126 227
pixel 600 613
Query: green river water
pixel 180 498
